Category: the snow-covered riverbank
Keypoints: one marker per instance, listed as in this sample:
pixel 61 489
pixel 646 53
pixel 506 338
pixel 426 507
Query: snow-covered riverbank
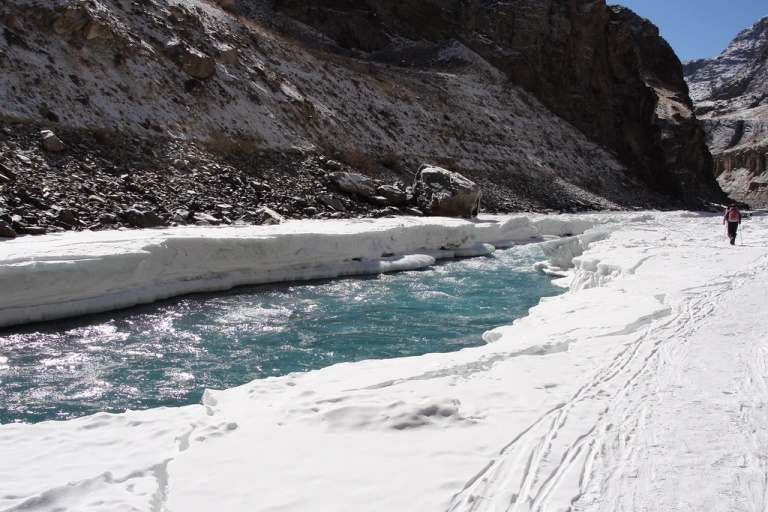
pixel 57 276
pixel 646 379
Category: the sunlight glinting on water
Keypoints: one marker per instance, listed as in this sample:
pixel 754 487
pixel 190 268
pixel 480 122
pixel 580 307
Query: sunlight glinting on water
pixel 167 353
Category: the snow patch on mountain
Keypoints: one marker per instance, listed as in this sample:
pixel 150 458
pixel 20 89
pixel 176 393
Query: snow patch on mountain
pixel 730 92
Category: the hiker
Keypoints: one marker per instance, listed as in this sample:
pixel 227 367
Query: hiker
pixel 733 218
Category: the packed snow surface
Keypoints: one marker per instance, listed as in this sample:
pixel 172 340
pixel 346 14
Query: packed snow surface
pixel 642 388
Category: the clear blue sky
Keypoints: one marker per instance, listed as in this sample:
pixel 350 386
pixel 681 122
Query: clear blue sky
pixel 698 28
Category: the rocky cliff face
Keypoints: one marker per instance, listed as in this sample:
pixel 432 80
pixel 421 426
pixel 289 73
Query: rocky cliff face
pixel 730 92
pixel 601 68
pixel 548 105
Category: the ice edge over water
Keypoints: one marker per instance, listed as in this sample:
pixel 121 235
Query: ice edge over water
pixel 96 272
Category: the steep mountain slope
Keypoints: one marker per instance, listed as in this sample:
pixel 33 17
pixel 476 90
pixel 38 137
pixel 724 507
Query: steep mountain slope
pixel 155 100
pixel 603 69
pixel 731 96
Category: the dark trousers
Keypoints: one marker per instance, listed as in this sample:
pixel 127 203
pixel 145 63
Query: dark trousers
pixel 732 228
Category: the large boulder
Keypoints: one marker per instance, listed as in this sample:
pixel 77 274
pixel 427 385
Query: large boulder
pixel 440 192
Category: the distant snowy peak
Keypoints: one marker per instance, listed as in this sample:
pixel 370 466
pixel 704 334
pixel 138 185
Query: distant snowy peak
pixel 739 70
pixel 730 94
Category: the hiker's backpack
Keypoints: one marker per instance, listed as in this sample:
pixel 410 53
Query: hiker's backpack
pixel 733 215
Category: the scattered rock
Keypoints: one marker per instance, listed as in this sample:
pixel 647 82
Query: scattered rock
pixel 140 219
pixel 6 231
pixel 107 219
pixel 389 211
pixel 412 211
pixel 28 198
pixel 331 202
pixel 68 216
pixel 379 200
pixel 181 216
pixel 332 165
pixel 204 219
pixel 353 183
pixel 7 171
pixel 32 230
pixel 51 142
pixel 393 195
pixel 267 216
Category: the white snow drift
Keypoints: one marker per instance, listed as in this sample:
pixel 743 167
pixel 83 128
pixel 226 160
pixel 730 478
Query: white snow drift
pixel 642 388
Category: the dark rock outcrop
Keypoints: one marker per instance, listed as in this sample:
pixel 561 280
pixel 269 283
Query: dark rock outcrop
pixel 602 68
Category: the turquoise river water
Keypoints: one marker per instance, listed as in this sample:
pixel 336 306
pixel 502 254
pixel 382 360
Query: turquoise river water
pixel 168 353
